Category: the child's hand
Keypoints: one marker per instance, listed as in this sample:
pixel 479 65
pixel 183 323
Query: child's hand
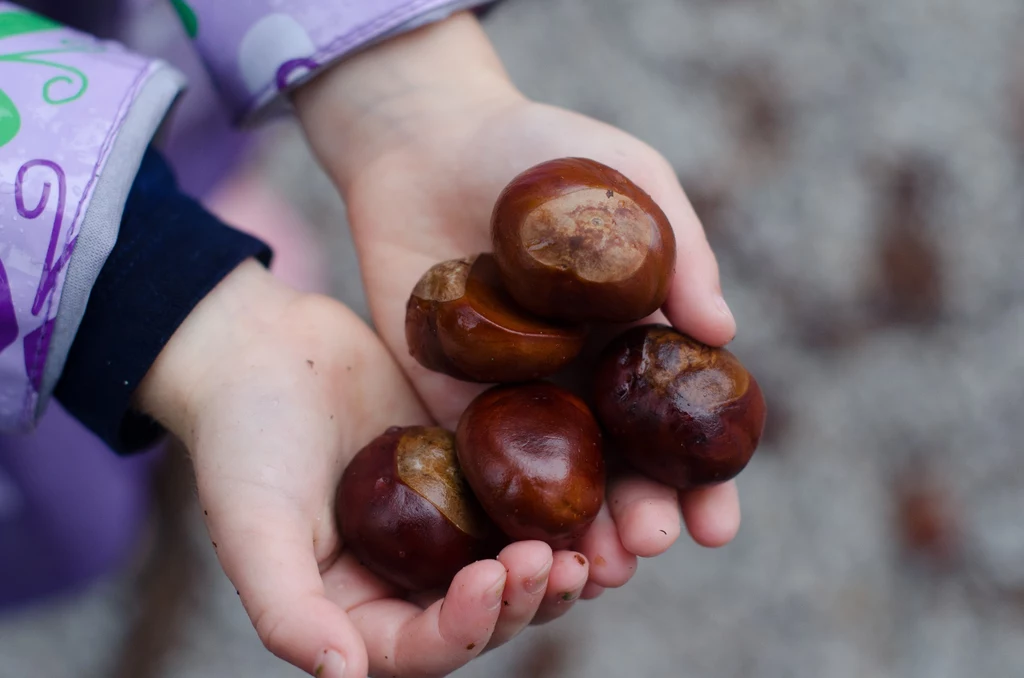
pixel 420 135
pixel 274 392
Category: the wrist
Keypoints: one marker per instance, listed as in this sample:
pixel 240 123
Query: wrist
pixel 394 93
pixel 244 307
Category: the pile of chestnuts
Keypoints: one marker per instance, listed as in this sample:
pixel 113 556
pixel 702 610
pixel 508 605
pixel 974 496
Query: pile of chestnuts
pixel 575 244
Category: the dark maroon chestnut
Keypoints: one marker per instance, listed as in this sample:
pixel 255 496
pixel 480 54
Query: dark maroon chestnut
pixel 578 241
pixel 532 453
pixel 683 413
pixel 405 510
pixel 460 321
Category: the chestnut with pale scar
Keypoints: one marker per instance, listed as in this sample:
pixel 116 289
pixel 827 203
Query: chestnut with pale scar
pixel 683 413
pixel 427 464
pixel 461 322
pixel 405 510
pixel 578 241
pixel 601 236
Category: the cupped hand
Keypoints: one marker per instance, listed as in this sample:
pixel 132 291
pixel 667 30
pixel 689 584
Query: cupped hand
pixel 274 392
pixel 420 178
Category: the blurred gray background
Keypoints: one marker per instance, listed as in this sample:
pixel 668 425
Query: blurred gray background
pixel 858 166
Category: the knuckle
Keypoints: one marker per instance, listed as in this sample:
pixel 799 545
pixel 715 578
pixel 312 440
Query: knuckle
pixel 270 623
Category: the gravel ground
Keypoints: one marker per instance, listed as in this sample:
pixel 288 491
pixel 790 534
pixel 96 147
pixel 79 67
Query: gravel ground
pixel 858 167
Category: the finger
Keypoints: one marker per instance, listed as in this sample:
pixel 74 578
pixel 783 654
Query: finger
pixel 528 564
pixel 569 573
pixel 646 514
pixel 591 591
pixel 611 565
pixel 712 514
pixel 267 552
pixel 695 304
pixel 405 640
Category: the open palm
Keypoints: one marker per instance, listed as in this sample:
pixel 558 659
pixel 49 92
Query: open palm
pixel 272 412
pixel 429 198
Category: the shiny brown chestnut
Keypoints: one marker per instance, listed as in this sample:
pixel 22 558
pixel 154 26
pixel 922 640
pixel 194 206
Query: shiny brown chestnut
pixel 460 321
pixel 532 453
pixel 578 241
pixel 681 412
pixel 405 510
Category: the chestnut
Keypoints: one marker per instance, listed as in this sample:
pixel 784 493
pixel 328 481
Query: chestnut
pixel 532 453
pixel 681 412
pixel 578 241
pixel 406 512
pixel 460 321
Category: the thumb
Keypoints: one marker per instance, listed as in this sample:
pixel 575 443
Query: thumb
pixel 267 550
pixel 695 304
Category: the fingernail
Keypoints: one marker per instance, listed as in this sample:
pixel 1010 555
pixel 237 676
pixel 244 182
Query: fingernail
pixel 538 582
pixel 492 598
pixel 723 308
pixel 570 596
pixel 332 665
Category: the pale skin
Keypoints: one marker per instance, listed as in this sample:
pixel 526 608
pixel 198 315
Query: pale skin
pixel 274 391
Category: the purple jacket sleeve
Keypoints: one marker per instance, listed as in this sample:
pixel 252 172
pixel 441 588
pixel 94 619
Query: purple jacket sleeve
pixel 76 115
pixel 258 49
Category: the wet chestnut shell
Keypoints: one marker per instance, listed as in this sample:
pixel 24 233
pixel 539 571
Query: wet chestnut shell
pixel 405 511
pixel 533 455
pixel 681 412
pixel 460 321
pixel 578 241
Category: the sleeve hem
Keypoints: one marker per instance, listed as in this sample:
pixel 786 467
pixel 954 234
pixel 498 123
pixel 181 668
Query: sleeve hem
pixel 57 136
pixel 169 255
pixel 258 60
pixel 101 223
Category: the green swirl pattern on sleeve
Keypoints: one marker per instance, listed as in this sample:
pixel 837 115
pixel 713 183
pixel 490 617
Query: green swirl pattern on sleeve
pixel 70 79
pixel 17 23
pixel 11 24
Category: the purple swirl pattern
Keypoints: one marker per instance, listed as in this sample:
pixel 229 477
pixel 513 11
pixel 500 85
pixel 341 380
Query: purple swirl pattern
pixel 47 281
pixel 286 70
pixel 35 342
